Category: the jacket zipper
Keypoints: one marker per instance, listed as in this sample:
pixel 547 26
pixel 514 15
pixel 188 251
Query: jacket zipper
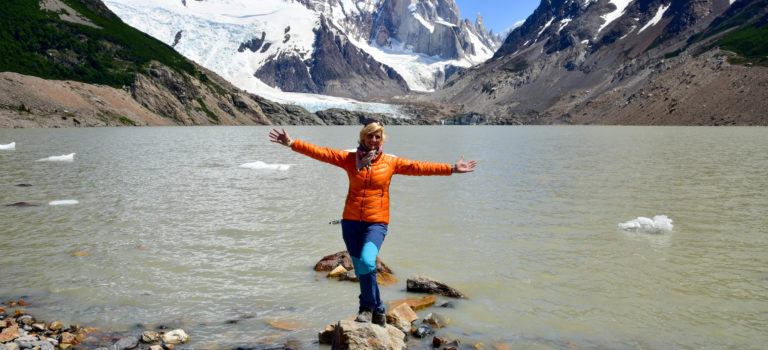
pixel 365 189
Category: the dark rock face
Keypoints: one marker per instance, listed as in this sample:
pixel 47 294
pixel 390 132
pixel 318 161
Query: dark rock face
pixel 336 68
pixel 253 44
pixel 289 73
pixel 177 38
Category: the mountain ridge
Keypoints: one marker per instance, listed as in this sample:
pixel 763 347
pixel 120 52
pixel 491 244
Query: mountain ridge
pixel 568 55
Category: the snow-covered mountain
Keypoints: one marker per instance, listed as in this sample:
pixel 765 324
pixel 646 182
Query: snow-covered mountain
pixel 356 49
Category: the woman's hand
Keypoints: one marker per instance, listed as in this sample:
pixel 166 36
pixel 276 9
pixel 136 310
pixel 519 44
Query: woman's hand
pixel 464 167
pixel 283 139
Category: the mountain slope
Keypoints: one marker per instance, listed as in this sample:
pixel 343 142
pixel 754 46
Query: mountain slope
pixel 74 63
pixel 588 61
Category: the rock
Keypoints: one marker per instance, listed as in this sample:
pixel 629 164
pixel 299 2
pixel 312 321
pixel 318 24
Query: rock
pixel 26 342
pixel 176 336
pixel 12 346
pixel 150 337
pixel 326 335
pixel 38 327
pixel 423 284
pixel 423 331
pixel 155 347
pixel 351 335
pixel 56 325
pixel 438 342
pixel 436 320
pixel 329 262
pixel 337 272
pixel 9 333
pixel 26 320
pixel 448 305
pixel 23 185
pixel 401 317
pixel 415 303
pixel 127 342
pixel 68 338
pixel 21 205
pixel 386 279
pixel 349 276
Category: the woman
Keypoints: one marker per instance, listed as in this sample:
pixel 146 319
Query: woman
pixel 366 210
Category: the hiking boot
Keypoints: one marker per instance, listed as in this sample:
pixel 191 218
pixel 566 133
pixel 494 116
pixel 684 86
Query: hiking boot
pixel 364 315
pixel 379 318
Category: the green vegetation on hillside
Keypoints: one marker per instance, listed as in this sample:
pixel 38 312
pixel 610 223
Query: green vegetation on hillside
pixel 746 29
pixel 36 42
pixel 749 42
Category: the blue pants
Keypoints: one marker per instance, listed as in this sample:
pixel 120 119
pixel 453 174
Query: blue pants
pixel 363 240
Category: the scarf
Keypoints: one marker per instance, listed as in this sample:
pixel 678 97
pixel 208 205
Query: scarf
pixel 365 157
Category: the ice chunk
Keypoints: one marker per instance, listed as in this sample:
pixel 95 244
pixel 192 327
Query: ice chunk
pixel 63 158
pixel 64 202
pixel 259 165
pixel 659 223
pixel 9 146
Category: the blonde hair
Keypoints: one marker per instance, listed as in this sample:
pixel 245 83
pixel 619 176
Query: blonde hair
pixel 371 128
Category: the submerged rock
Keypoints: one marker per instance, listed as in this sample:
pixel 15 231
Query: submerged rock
pixel 21 205
pixel 436 320
pixel 351 335
pixel 330 262
pixel 424 284
pixel 127 342
pixel 423 331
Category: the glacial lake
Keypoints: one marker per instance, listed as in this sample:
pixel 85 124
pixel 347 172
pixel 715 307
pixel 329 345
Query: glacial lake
pixel 216 230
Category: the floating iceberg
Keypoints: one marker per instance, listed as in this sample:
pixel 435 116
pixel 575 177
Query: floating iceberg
pixel 64 202
pixel 259 165
pixel 9 146
pixel 63 158
pixel 659 223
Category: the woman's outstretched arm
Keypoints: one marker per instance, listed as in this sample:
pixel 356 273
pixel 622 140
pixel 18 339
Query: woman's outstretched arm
pixel 323 154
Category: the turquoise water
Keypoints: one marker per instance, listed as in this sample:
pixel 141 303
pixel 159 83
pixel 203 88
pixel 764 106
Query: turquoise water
pixel 177 232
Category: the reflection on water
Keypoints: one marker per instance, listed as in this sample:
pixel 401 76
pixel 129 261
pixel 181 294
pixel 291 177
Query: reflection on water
pixel 169 226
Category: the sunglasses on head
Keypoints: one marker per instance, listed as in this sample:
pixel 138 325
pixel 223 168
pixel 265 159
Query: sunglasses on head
pixel 371 121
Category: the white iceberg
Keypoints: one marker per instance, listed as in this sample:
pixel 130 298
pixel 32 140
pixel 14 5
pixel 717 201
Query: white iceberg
pixel 659 223
pixel 259 165
pixel 9 146
pixel 64 202
pixel 63 158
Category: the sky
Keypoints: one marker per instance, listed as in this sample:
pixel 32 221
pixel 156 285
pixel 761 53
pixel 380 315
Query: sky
pixel 498 15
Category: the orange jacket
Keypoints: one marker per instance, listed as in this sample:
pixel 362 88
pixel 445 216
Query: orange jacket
pixel 368 196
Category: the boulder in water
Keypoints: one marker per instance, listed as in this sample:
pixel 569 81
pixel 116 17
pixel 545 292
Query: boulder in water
pixel 424 284
pixel 351 335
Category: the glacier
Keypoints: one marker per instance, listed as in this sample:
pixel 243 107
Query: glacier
pixel 212 32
